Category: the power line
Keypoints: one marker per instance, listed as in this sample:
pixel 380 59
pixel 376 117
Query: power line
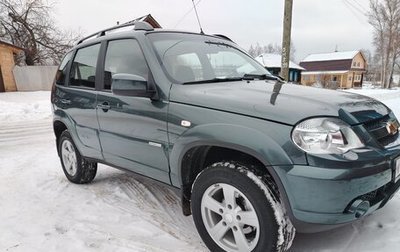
pixel 187 13
pixel 361 6
pixel 355 7
pixel 354 10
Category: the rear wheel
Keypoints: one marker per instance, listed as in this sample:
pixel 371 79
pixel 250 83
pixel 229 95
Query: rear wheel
pixel 234 210
pixel 76 168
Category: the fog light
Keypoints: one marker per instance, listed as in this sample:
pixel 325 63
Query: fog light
pixel 359 208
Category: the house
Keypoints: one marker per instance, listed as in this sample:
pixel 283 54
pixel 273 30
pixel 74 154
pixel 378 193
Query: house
pixel 7 63
pixel 272 62
pixel 149 19
pixel 336 70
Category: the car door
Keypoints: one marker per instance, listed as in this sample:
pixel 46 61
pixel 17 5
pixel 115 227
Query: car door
pixel 132 130
pixel 75 94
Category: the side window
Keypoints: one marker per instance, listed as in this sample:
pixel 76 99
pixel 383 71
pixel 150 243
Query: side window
pixel 83 70
pixel 62 70
pixel 124 57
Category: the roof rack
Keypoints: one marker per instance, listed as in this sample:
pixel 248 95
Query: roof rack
pixel 138 25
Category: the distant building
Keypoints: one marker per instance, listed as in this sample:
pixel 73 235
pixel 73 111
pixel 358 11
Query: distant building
pixel 272 62
pixel 149 19
pixel 7 52
pixel 338 69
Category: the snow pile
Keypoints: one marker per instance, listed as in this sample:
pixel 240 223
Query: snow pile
pixel 24 106
pixel 390 97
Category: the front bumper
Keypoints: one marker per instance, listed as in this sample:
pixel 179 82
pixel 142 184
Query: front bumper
pixel 321 197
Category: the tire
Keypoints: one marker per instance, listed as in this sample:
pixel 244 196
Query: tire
pixel 234 210
pixel 76 168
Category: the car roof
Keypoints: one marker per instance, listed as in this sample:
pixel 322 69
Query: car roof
pixel 139 27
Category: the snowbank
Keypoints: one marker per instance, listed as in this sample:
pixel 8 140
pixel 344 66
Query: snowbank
pixel 24 106
pixel 390 97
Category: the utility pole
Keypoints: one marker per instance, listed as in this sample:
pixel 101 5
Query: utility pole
pixel 287 29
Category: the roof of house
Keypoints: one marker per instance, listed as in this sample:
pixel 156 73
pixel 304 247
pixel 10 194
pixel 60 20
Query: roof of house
pixel 323 72
pixel 149 19
pixel 331 56
pixel 270 60
pixel 336 61
pixel 15 49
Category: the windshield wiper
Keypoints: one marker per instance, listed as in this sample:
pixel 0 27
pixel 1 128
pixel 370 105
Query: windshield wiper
pixel 261 77
pixel 244 77
pixel 218 43
pixel 215 80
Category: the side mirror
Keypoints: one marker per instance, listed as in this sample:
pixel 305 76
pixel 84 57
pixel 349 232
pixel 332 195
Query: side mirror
pixel 130 85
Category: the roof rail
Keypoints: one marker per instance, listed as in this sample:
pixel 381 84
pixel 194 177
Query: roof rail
pixel 138 25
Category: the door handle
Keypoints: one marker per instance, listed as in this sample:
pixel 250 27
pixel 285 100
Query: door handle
pixel 105 106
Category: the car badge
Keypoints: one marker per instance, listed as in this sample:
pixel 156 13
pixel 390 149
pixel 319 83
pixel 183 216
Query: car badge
pixel 392 127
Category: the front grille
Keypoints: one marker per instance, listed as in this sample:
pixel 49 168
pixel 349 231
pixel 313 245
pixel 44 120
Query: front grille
pixel 377 123
pixel 378 129
pixel 370 196
pixel 375 196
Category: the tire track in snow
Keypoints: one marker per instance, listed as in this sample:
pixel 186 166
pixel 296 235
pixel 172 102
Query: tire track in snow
pixel 158 204
pixel 145 199
pixel 21 132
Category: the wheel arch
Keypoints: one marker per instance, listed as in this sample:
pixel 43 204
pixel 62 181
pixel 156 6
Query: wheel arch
pixel 59 127
pixel 196 149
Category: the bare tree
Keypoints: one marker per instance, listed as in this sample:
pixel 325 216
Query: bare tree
pixel 384 16
pixel 29 24
pixel 270 48
pixel 373 69
pixel 326 81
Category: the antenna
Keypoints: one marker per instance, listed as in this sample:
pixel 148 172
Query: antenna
pixel 197 15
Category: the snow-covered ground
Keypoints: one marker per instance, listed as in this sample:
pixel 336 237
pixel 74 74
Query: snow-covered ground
pixel 41 211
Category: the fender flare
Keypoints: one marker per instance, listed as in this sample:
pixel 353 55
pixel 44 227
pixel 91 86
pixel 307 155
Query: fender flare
pixel 240 138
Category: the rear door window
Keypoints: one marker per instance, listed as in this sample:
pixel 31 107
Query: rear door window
pixel 83 70
pixel 62 70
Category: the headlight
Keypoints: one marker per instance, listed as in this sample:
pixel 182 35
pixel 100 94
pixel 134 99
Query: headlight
pixel 325 136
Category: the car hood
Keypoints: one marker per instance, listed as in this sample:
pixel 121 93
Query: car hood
pixel 283 103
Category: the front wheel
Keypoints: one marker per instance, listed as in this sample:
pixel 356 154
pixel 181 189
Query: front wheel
pixel 77 169
pixel 234 210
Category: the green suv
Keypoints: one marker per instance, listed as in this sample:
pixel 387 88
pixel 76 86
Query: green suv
pixel 255 159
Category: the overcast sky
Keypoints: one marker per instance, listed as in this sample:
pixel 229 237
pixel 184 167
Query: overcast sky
pixel 318 25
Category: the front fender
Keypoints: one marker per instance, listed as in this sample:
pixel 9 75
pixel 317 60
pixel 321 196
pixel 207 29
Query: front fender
pixel 240 138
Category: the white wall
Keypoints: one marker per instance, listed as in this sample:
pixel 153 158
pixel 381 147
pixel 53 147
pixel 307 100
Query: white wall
pixel 34 78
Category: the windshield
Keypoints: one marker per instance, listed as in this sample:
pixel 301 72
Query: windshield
pixel 190 58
